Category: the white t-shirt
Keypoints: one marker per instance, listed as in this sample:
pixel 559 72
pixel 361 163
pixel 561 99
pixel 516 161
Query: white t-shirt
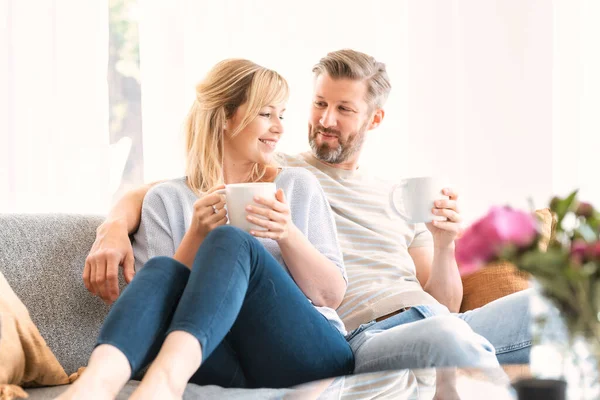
pixel 374 241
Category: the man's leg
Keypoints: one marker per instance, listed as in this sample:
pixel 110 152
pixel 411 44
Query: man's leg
pixel 420 337
pixel 505 323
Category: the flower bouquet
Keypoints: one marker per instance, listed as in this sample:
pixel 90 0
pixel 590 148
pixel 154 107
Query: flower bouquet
pixel 566 269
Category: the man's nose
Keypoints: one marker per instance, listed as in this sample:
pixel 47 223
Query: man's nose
pixel 327 118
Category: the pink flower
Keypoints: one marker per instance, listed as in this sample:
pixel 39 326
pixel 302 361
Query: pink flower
pixel 485 239
pixel 578 249
pixel 593 251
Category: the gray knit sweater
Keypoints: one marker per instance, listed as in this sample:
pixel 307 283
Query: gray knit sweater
pixel 168 209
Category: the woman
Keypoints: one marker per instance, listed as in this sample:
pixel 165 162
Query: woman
pixel 214 304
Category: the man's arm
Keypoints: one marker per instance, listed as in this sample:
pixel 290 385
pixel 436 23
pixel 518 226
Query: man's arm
pixel 128 209
pixel 112 247
pixel 438 274
pixel 436 266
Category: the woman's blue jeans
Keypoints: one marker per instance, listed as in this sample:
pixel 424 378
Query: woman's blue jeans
pixel 255 326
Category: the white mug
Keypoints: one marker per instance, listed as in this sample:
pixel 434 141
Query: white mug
pixel 413 198
pixel 240 195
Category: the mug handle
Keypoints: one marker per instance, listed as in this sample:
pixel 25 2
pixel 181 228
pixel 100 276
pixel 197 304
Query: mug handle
pixel 393 204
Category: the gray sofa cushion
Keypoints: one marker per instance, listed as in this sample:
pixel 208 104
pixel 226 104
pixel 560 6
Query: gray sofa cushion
pixel 42 258
pixel 191 392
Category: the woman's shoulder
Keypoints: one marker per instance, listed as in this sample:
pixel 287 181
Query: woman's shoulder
pixel 300 179
pixel 296 174
pixel 169 190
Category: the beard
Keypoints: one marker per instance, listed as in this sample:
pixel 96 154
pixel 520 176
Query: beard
pixel 341 152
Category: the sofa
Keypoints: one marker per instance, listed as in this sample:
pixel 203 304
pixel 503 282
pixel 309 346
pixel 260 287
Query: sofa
pixel 42 258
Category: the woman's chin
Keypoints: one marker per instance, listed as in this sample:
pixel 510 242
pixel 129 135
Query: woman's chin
pixel 266 158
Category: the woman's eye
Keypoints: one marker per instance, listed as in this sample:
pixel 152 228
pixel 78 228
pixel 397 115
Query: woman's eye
pixel 267 115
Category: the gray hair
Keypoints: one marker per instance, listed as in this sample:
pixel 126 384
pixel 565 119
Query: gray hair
pixel 354 65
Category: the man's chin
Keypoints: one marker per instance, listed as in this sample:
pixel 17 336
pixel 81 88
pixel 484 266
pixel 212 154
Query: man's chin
pixel 327 156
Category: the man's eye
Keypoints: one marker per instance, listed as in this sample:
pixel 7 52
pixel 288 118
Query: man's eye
pixel 319 104
pixel 345 109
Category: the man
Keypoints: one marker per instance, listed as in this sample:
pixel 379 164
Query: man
pixel 398 273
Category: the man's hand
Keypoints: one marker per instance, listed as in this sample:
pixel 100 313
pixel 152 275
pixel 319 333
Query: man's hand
pixel 445 232
pixel 111 249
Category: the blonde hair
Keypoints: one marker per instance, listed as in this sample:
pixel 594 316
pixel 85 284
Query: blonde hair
pixel 354 65
pixel 227 86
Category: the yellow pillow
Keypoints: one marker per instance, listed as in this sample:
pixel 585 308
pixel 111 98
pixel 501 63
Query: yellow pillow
pixel 25 358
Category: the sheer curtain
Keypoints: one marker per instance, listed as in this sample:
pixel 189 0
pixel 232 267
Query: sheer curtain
pixel 54 108
pixel 498 96
pixel 180 41
pixel 576 98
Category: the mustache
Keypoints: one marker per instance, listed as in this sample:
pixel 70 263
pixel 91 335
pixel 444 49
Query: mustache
pixel 327 131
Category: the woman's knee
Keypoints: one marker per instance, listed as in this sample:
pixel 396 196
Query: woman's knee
pixel 164 269
pixel 163 264
pixel 226 234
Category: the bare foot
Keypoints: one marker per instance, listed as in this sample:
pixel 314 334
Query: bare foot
pixel 179 357
pixel 88 388
pixel 107 372
pixel 157 385
pixel 445 388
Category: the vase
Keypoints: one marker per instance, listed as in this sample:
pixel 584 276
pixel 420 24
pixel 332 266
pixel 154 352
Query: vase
pixel 558 353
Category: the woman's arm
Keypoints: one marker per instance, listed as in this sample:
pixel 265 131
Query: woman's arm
pixel 307 239
pixel 318 277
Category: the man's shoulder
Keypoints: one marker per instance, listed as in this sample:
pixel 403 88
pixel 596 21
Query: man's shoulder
pixel 291 160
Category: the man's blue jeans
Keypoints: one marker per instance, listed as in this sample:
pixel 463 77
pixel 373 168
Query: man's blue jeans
pixel 426 336
pixel 255 326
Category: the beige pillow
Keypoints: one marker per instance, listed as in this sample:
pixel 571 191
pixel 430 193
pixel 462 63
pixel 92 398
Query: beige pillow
pixel 25 359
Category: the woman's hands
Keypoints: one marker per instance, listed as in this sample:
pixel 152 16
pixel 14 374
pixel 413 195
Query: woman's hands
pixel 278 220
pixel 209 212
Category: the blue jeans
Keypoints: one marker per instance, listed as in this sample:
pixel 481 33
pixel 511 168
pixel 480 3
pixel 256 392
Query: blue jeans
pixel 255 326
pixel 431 336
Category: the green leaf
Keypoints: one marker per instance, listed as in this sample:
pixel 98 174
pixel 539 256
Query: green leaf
pixel 564 205
pixel 552 260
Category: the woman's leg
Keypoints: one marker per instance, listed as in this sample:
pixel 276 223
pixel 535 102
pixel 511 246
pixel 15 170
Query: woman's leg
pixel 228 265
pixel 134 328
pixel 281 340
pixel 97 381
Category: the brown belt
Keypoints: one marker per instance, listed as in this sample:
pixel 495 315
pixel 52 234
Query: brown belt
pixel 392 314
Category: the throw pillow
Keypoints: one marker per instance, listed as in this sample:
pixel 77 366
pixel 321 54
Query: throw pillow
pixel 25 358
pixel 501 278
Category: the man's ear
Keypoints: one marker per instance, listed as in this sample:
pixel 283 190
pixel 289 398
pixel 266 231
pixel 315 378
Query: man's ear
pixel 377 118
